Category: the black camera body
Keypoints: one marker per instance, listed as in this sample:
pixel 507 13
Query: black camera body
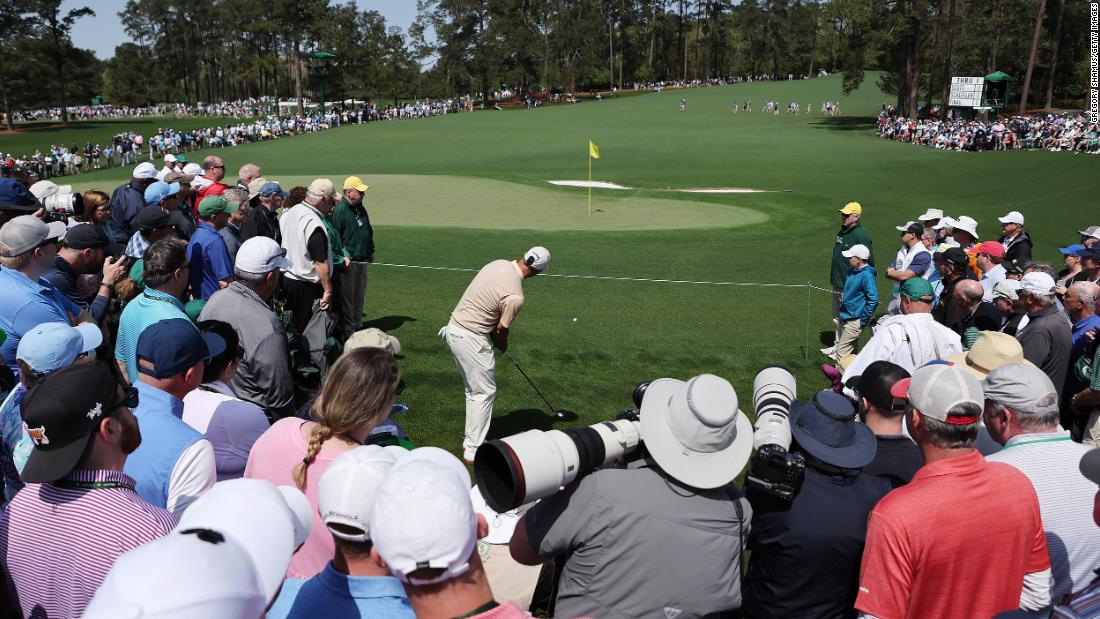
pixel 777 471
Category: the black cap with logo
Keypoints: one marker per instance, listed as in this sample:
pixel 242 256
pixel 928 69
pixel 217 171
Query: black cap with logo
pixel 62 412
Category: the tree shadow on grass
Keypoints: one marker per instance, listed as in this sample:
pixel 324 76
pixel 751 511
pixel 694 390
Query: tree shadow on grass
pixel 387 323
pixel 846 123
pixel 518 421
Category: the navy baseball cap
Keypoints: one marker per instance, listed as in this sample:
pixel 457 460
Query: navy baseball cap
pixel 174 345
pixel 271 188
pixel 14 196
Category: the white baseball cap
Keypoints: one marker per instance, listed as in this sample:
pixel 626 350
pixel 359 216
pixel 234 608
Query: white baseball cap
pixel 906 226
pixel 1013 217
pixel 945 222
pixel 373 338
pixel 966 224
pixel 145 170
pixel 192 169
pixel 169 158
pixel 188 574
pixel 258 516
pixel 346 491
pixel 538 258
pixel 937 388
pixel 24 233
pixel 422 518
pixel 1037 282
pixel 695 431
pixel 261 254
pixel 1007 289
pixel 859 251
pixel 930 214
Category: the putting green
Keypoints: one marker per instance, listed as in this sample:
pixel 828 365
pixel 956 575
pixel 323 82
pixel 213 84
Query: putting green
pixel 472 202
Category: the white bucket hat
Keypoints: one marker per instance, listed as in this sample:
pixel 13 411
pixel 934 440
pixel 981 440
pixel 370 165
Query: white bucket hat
pixel 945 222
pixel 695 431
pixel 930 214
pixel 967 224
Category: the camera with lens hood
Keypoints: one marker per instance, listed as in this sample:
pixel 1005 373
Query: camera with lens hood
pixel 775 469
pixel 534 464
pixel 63 203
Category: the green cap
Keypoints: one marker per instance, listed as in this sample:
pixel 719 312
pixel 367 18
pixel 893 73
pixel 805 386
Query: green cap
pixel 180 158
pixel 212 205
pixel 916 289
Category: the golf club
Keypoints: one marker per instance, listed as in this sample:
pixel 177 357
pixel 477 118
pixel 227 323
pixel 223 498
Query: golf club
pixel 561 414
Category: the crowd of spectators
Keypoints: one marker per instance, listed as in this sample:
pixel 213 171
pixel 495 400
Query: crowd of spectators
pixel 239 108
pixel 1070 131
pixel 196 424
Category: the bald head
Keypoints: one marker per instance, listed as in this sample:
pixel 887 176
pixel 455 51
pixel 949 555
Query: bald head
pixel 213 167
pixel 248 173
pixel 969 293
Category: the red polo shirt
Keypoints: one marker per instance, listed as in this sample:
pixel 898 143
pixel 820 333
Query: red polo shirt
pixel 216 189
pixel 955 542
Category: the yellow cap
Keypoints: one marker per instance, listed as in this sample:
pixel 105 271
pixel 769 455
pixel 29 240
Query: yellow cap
pixel 852 208
pixel 356 183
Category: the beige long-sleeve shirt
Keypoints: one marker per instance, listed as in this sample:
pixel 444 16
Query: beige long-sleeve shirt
pixel 494 297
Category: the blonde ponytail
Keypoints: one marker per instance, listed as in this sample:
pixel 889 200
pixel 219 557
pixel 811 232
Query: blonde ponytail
pixel 317 438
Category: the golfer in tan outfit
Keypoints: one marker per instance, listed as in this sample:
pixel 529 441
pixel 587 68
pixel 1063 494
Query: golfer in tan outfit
pixel 479 321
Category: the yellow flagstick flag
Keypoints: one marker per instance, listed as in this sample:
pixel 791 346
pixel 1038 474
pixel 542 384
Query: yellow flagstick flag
pixel 593 153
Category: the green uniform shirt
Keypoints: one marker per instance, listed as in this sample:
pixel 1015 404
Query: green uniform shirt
pixel 355 230
pixel 339 251
pixel 845 239
pixel 1094 371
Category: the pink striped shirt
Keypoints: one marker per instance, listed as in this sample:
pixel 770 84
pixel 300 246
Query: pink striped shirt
pixel 59 540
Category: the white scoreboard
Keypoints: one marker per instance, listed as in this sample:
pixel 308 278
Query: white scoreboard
pixel 966 92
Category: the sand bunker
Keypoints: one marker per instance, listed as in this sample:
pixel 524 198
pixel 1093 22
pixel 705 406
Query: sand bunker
pixel 593 184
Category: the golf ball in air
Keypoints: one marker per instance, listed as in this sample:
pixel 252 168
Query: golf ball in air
pixel 574 319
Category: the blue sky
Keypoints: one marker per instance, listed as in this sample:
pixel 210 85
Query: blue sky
pixel 104 31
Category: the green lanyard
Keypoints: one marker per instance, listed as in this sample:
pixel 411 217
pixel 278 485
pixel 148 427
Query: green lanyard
pixel 91 485
pixel 487 606
pixel 1040 440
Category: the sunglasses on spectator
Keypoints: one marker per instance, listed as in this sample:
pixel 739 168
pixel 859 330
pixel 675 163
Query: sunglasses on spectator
pixel 129 399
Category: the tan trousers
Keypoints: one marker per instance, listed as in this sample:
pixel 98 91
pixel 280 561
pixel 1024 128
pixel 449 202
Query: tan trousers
pixel 474 357
pixel 509 580
pixel 848 337
pixel 1091 436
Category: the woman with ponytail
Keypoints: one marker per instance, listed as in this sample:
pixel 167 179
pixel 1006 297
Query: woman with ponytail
pixel 356 396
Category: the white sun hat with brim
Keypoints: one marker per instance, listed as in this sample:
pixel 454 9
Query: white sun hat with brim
pixel 945 222
pixel 930 214
pixel 967 224
pixel 694 430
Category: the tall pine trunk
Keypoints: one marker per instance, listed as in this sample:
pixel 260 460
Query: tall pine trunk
pixel 947 61
pixel 1054 55
pixel 1031 56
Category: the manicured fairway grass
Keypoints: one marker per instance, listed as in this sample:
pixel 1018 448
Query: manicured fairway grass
pixel 461 190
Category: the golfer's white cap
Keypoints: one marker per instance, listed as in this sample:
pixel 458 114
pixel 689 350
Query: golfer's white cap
pixel 191 573
pixel 858 251
pixel 422 518
pixel 259 517
pixel 1013 217
pixel 346 491
pixel 145 170
pixel 931 214
pixel 538 258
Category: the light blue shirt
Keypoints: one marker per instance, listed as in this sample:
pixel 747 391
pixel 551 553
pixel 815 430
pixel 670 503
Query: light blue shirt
pixel 148 308
pixel 332 594
pixel 25 304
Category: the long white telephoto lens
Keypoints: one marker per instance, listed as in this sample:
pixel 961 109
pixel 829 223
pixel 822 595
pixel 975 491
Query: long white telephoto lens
pixel 534 464
pixel 773 390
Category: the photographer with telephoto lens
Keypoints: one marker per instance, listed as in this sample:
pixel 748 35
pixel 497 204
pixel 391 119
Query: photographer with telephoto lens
pixel 663 535
pixel 806 550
